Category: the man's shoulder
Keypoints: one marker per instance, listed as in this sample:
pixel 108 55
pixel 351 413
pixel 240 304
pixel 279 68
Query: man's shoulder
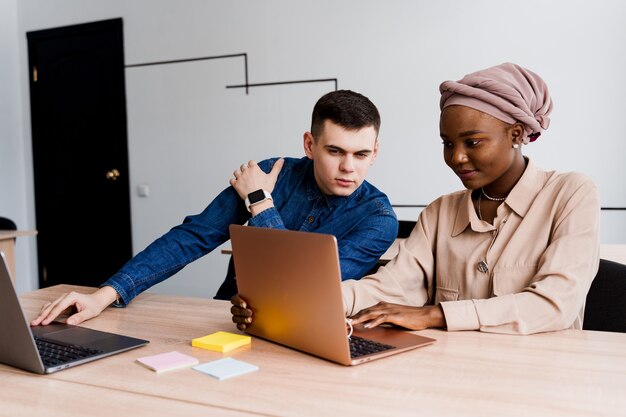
pixel 291 164
pixel 369 193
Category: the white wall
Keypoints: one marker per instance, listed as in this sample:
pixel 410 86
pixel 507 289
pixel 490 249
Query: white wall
pixel 187 132
pixel 15 158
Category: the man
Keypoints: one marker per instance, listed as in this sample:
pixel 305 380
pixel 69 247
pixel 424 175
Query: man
pixel 324 192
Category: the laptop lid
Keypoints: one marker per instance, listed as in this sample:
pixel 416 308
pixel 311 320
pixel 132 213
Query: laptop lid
pixel 292 282
pixel 17 344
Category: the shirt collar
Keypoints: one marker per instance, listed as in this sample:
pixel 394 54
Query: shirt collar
pixel 465 213
pixel 519 200
pixel 523 194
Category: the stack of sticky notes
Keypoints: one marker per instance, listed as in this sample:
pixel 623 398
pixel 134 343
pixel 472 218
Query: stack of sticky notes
pixel 167 361
pixel 226 368
pixel 221 341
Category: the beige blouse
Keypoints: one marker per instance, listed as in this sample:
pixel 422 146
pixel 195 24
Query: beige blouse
pixel 541 254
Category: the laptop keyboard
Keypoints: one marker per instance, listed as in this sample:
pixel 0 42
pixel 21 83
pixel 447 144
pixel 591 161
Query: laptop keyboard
pixel 361 347
pixel 53 354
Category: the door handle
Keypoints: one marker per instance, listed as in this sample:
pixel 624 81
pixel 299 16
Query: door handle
pixel 112 175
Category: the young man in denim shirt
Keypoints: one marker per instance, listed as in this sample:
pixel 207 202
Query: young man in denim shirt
pixel 324 192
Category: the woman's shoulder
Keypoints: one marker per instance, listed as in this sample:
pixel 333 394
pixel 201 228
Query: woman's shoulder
pixel 567 180
pixel 567 189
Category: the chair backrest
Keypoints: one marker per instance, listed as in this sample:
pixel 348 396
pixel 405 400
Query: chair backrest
pixel 7 224
pixel 605 309
pixel 229 286
pixel 405 227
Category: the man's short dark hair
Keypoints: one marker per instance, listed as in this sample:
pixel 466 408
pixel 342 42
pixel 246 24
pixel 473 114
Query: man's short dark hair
pixel 348 109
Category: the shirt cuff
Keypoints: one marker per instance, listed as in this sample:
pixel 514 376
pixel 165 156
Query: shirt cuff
pixel 267 218
pixel 119 282
pixel 347 296
pixel 460 315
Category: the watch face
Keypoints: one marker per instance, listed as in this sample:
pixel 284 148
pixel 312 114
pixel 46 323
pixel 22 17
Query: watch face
pixel 256 196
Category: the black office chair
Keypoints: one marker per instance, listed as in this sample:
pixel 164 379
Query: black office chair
pixel 605 309
pixel 7 224
pixel 405 227
pixel 229 286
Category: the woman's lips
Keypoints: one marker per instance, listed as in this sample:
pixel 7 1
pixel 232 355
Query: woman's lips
pixel 466 174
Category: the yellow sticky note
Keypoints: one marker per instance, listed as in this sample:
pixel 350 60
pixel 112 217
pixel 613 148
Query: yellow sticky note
pixel 221 341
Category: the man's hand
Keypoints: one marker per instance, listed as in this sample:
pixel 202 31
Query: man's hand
pixel 85 306
pixel 249 177
pixel 413 318
pixel 242 315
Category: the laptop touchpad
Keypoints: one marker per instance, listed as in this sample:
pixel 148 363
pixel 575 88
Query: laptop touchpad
pixel 76 336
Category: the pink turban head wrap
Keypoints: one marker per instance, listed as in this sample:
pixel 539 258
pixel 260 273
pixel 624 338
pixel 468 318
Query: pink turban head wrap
pixel 507 92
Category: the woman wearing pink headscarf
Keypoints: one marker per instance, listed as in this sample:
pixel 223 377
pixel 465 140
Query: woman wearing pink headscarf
pixel 513 253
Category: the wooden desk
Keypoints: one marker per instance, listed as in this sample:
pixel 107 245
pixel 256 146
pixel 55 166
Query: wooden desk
pixel 7 245
pixel 569 373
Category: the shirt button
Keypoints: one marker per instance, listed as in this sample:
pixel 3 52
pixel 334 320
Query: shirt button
pixel 311 219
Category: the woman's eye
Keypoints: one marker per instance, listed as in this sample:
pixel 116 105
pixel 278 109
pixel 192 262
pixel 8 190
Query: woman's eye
pixel 446 144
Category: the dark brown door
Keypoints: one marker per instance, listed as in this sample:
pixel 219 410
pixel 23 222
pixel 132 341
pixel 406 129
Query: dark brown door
pixel 80 155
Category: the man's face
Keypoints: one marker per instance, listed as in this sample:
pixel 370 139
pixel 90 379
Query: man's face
pixel 341 157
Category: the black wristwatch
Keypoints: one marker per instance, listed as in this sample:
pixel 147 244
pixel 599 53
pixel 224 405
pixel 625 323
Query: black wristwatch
pixel 257 197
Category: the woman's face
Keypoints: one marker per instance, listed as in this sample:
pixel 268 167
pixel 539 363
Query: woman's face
pixel 479 149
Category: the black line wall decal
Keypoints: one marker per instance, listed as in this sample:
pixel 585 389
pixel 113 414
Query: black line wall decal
pixel 247 84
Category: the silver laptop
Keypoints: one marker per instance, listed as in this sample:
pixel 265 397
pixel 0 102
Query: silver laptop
pixel 47 349
pixel 292 282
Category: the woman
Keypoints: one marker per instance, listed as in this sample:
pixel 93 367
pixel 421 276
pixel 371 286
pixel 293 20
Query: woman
pixel 514 253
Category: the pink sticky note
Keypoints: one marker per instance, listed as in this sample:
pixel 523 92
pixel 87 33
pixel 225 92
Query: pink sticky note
pixel 167 361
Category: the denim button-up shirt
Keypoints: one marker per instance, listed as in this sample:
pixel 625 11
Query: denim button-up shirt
pixel 364 224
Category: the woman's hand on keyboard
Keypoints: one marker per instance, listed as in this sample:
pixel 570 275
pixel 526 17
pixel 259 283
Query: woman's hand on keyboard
pixel 413 318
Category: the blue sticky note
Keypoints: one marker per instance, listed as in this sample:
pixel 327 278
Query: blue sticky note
pixel 226 368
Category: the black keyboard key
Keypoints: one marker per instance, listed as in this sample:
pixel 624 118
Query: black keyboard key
pixel 361 347
pixel 53 354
